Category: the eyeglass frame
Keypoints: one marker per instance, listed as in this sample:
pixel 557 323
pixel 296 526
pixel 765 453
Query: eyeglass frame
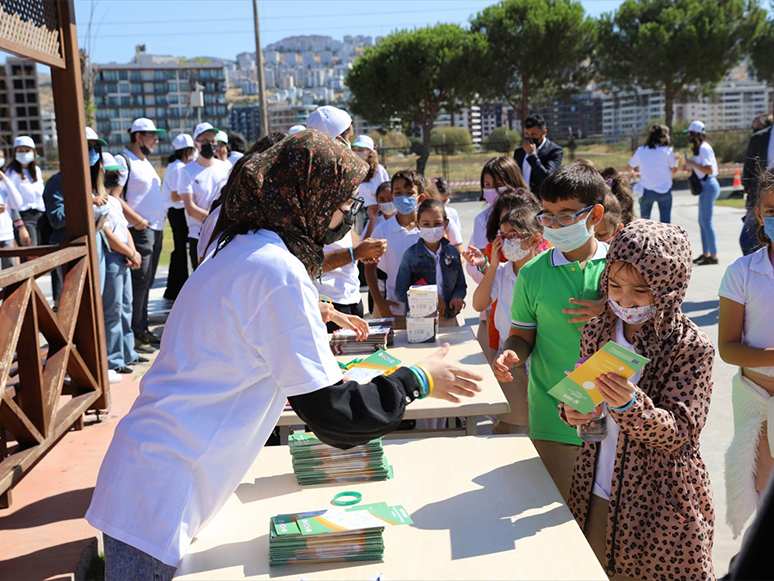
pixel 516 235
pixel 542 215
pixel 357 205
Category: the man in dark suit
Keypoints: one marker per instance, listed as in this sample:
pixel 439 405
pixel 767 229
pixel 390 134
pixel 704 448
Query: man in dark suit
pixel 759 157
pixel 538 156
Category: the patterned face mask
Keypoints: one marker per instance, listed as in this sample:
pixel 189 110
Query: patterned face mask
pixel 632 315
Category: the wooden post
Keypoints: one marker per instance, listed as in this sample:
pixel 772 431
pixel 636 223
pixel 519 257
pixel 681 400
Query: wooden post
pixel 76 190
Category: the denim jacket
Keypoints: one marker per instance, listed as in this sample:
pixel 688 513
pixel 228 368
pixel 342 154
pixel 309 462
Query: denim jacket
pixel 418 263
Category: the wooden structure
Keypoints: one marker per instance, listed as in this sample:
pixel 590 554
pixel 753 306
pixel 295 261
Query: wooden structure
pixel 53 365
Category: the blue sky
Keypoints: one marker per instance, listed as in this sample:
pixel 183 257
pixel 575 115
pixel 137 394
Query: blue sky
pixel 223 28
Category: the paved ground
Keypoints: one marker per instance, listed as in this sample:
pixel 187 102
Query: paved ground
pixel 44 535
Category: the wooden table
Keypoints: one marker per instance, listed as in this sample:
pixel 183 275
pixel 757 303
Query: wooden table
pixel 483 508
pixel 465 350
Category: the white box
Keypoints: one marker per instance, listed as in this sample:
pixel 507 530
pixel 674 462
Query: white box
pixel 423 301
pixel 420 330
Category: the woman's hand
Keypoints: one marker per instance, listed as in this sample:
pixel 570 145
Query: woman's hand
pixel 474 257
pixel 575 418
pixel 616 390
pixel 503 364
pixel 449 379
pixel 585 310
pixel 351 322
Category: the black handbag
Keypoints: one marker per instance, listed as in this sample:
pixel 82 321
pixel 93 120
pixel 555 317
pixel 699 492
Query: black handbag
pixel 694 183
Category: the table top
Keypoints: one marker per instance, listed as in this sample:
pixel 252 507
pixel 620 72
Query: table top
pixel 484 507
pixel 464 350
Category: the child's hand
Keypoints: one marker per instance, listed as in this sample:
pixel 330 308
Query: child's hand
pixel 441 306
pixel 585 310
pixel 616 390
pixel 575 418
pixel 351 322
pixel 457 304
pixel 502 365
pixel 373 213
pixel 474 256
pixel 384 306
pixel 497 247
pixel 449 380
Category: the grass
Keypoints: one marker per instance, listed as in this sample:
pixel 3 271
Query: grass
pixel 167 245
pixel 731 203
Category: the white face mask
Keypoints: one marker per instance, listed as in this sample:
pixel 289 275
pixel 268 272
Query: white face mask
pixel 25 157
pixel 632 315
pixel 513 251
pixel 431 235
pixel 2 162
pixel 387 208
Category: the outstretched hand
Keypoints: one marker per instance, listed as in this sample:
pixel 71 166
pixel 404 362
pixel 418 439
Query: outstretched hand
pixel 449 379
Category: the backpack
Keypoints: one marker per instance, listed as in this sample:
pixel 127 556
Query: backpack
pixel 128 173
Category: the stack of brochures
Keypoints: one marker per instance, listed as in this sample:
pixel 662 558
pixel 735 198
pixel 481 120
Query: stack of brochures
pixel 380 335
pixel 338 534
pixel 318 463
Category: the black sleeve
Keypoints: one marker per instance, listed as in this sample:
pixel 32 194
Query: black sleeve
pixel 542 167
pixel 349 414
pixel 753 166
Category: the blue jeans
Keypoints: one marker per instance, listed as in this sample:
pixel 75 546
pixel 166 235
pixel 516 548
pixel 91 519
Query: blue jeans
pixel 664 201
pixel 126 563
pixel 117 305
pixel 710 190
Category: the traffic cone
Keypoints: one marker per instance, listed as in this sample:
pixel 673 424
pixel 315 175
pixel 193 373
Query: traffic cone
pixel 737 185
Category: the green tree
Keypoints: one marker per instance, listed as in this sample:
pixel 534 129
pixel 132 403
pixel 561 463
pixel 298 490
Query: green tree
pixel 413 74
pixel 390 142
pixel 502 139
pixel 761 53
pixel 451 140
pixel 681 47
pixel 536 49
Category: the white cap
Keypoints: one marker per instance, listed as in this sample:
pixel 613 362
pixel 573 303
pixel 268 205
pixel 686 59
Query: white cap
pixel 182 141
pixel 329 120
pixel 365 142
pixel 91 135
pixel 145 124
pixel 110 162
pixel 203 128
pixel 222 137
pixel 295 129
pixel 695 127
pixel 23 141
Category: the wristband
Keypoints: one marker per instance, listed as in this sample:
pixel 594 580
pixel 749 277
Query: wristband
pixel 134 253
pixel 351 496
pixel 18 223
pixel 627 406
pixel 486 265
pixel 352 254
pixel 424 386
pixel 429 379
pixel 326 299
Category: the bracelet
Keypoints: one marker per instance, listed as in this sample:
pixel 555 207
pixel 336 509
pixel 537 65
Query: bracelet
pixel 627 406
pixel 347 498
pixel 134 253
pixel 486 265
pixel 18 223
pixel 424 387
pixel 429 379
pixel 352 254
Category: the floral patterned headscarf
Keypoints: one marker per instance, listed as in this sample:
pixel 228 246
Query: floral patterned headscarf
pixel 292 189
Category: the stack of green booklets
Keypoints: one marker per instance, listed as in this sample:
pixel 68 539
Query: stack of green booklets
pixel 318 463
pixel 339 534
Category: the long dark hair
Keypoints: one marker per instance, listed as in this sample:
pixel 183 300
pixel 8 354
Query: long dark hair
pixel 373 165
pixel 619 188
pixel 508 201
pixel 32 167
pixel 180 154
pixel 696 145
pixel 658 136
pixel 507 170
pixel 98 176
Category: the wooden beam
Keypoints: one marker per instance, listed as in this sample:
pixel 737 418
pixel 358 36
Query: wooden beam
pixel 11 315
pixel 30 392
pixel 31 53
pixel 42 265
pixel 28 250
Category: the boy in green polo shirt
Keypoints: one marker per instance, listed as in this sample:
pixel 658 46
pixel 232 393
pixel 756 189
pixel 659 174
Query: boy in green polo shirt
pixel 572 198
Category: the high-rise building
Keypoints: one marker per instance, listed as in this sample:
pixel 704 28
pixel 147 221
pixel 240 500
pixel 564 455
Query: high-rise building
pixel 247 120
pixel 159 88
pixel 581 114
pixel 19 104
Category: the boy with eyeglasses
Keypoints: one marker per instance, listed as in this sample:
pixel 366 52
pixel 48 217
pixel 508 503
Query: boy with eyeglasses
pixel 543 327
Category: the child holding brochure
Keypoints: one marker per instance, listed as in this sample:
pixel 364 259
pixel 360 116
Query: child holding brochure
pixel 745 339
pixel 642 495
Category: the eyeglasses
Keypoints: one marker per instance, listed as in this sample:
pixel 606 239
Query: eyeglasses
pixel 512 235
pixel 562 219
pixel 150 134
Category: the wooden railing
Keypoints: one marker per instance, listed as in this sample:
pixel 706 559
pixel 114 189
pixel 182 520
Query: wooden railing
pixel 51 372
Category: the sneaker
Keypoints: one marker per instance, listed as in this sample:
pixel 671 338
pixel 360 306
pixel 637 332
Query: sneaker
pixel 700 260
pixel 710 260
pixel 142 347
pixel 140 359
pixel 124 370
pixel 113 376
pixel 150 338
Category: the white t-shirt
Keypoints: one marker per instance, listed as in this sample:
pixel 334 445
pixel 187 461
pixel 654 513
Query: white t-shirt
pixel 453 216
pixel 655 167
pixel 437 259
pixel 245 333
pixel 749 281
pixel 341 285
pixel 170 184
pixel 143 193
pixel 11 199
pixel 478 240
pixel 603 475
pixel 234 157
pixel 367 189
pixel 706 157
pixel 116 219
pixel 398 240
pixel 204 184
pixel 31 192
pixel 206 232
pixel 502 292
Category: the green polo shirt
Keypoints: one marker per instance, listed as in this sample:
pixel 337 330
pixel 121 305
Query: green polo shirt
pixel 543 288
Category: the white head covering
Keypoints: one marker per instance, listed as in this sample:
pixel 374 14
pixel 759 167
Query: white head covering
pixel 222 137
pixel 182 141
pixel 365 142
pixel 110 162
pixel 23 141
pixel 329 120
pixel 295 129
pixel 204 127
pixel 696 127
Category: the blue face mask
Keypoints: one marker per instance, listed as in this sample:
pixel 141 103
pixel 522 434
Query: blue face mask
pixel 93 156
pixel 768 227
pixel 405 204
pixel 568 238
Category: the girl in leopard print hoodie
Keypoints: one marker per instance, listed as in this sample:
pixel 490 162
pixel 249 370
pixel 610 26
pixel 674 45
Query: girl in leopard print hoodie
pixel 642 496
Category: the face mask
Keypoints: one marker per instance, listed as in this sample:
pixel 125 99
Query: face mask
pixel 2 162
pixel 387 208
pixel 431 235
pixel 491 194
pixel 208 150
pixel 26 157
pixel 535 140
pixel 632 315
pixel 363 154
pixel 568 238
pixel 93 157
pixel 111 180
pixel 513 251
pixel 145 150
pixel 405 204
pixel 768 227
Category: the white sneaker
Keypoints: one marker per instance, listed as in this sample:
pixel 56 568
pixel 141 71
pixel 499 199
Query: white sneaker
pixel 113 376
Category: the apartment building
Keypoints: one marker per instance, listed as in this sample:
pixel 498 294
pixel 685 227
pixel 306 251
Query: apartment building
pixel 19 104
